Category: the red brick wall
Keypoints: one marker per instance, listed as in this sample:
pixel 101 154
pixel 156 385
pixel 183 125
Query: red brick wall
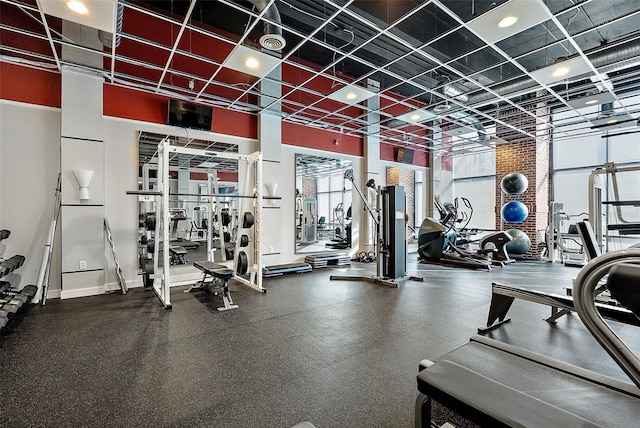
pixel 529 156
pixel 404 177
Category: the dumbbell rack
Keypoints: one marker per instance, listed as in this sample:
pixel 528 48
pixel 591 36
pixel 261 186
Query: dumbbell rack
pixel 12 300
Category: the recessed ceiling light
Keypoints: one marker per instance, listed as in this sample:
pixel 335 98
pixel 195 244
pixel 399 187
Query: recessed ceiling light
pixel 618 121
pixel 99 14
pixel 560 71
pixel 566 69
pixel 507 21
pixel 252 62
pixel 591 100
pixel 351 94
pixel 77 7
pixel 416 116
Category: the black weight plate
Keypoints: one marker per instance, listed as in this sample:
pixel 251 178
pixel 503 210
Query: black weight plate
pixel 243 263
pixel 247 220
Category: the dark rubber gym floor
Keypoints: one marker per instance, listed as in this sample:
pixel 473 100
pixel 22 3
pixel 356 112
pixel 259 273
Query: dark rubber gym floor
pixel 334 353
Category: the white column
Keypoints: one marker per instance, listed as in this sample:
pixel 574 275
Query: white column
pixel 81 150
pixel 372 167
pixel 270 137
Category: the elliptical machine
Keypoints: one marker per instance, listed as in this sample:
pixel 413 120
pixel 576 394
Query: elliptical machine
pixel 494 244
pixel 438 240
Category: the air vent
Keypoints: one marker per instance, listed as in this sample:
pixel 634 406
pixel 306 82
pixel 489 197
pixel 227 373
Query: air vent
pixel 272 42
pixel 442 108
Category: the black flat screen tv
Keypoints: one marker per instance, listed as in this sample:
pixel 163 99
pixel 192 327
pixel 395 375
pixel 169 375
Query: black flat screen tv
pixel 404 155
pixel 189 115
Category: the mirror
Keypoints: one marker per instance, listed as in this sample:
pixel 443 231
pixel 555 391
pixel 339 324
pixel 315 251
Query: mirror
pixel 323 204
pixel 191 179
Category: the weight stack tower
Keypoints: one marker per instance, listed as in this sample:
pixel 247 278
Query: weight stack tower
pixel 393 232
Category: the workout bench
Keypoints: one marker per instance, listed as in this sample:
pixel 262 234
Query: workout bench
pixel 177 255
pixel 220 276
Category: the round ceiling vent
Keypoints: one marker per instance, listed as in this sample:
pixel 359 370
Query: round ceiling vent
pixel 442 108
pixel 273 42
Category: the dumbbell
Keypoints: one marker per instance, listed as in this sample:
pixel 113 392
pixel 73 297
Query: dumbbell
pixel 6 267
pixel 4 318
pixel 12 305
pixel 11 264
pixel 4 287
pixel 17 299
pixel 29 291
pixel 17 260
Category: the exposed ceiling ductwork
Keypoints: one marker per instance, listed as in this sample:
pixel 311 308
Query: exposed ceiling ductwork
pixel 272 38
pixel 620 57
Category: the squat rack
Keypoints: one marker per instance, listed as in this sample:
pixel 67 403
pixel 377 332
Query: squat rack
pixel 596 216
pixel 250 201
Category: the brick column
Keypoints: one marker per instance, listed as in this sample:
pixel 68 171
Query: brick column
pixel 529 156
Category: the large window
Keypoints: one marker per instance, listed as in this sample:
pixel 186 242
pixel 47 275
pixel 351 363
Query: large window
pixel 576 156
pixel 474 178
pixel 332 197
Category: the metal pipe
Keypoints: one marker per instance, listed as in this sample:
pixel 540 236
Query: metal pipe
pixel 272 38
pixel 606 62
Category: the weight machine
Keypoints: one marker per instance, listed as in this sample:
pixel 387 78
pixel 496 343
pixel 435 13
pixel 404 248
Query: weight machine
pixel 560 233
pixel 251 205
pixel 596 217
pixel 390 236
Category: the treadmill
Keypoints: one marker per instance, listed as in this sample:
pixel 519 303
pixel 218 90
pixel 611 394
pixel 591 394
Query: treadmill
pixel 494 384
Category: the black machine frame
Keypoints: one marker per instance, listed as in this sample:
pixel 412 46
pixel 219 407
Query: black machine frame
pixel 390 242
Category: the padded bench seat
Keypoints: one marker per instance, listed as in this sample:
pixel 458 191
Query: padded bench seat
pixel 495 384
pixel 221 276
pixel 625 228
pixel 206 266
pixel 177 254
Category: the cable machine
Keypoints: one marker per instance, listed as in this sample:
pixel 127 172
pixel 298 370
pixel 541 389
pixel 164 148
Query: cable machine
pixel 390 236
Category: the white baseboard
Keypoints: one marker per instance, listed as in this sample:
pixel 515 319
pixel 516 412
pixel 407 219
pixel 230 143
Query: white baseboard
pixel 53 294
pixel 176 281
pixel 81 292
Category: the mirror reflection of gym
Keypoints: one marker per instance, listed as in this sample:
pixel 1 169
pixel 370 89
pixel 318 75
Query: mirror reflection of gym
pixel 323 204
pixel 190 210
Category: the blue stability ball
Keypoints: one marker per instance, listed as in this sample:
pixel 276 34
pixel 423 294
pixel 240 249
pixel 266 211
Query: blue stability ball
pixel 514 212
pixel 520 242
pixel 514 183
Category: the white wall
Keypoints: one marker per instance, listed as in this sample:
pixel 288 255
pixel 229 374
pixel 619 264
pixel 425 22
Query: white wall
pixel 29 166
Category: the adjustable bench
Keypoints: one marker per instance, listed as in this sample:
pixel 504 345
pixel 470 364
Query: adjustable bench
pixel 215 276
pixel 177 254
